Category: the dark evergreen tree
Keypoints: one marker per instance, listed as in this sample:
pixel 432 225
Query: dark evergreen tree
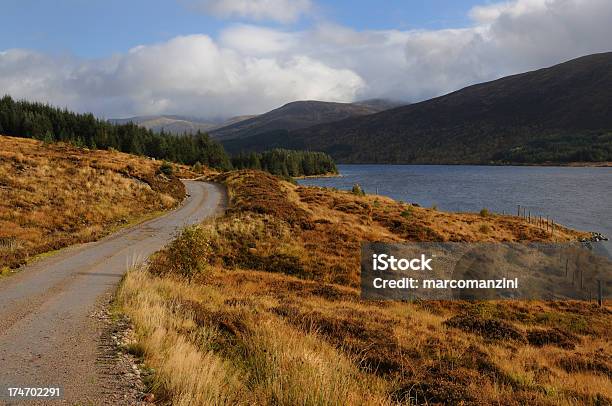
pixel 286 163
pixel 44 122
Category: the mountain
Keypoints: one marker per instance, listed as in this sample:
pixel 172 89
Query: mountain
pixel 299 114
pixel 178 124
pixel 558 114
pixel 381 104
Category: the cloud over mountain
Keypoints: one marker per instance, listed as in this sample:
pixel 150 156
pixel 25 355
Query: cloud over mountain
pixel 254 68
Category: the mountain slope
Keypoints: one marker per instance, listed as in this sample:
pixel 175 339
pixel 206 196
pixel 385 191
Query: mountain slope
pixel 297 115
pixel 178 124
pixel 42 210
pixel 558 114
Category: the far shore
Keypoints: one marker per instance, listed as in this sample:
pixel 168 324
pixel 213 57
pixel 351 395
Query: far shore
pixel 325 175
pixel 607 164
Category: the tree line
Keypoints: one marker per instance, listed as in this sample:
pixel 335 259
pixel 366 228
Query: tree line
pixel 51 124
pixel 593 147
pixel 286 162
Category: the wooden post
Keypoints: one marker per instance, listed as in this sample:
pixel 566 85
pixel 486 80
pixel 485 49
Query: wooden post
pixel 599 293
pixel 581 279
pixel 518 210
pixel 552 228
pixel 529 217
pixel 524 214
pixel 566 262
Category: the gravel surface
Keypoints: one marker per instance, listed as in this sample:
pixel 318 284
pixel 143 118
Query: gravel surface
pixel 54 325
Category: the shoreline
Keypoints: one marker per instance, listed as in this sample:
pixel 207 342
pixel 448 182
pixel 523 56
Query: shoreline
pixel 326 175
pixel 604 164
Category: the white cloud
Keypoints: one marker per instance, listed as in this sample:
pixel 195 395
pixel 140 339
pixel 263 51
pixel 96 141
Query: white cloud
pixel 251 69
pixel 506 38
pixel 187 75
pixel 284 11
pixel 491 12
pixel 254 40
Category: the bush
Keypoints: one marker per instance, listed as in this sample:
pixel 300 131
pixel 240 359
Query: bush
pixel 492 329
pixel 357 190
pixel 166 169
pixel 188 254
pixel 485 212
pixel 484 228
pixel 197 167
pixel 407 212
pixel 555 336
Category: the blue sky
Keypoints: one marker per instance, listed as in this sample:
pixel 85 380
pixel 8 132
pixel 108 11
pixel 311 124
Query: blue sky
pixel 220 58
pixel 95 28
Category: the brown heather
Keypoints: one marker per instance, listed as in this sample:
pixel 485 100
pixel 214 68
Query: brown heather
pixel 55 195
pixel 272 314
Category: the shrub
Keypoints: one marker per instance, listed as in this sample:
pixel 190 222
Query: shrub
pixel 555 336
pixel 484 228
pixel 197 167
pixel 407 212
pixel 485 212
pixel 357 190
pixel 166 169
pixel 488 328
pixel 188 254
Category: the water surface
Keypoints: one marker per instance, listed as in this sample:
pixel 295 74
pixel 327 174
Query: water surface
pixel 576 197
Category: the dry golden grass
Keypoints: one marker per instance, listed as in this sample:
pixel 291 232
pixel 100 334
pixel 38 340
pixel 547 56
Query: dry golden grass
pixel 208 349
pixel 55 195
pixel 273 314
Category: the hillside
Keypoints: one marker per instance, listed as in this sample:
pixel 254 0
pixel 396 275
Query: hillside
pixel 298 114
pixel 557 114
pixel 54 195
pixel 27 119
pixel 178 124
pixel 262 306
pixel 381 104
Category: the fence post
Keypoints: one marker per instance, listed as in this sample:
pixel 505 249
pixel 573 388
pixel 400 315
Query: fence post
pixel 552 229
pixel 518 210
pixel 599 293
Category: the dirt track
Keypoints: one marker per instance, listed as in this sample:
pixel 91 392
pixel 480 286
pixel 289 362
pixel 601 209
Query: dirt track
pixel 48 336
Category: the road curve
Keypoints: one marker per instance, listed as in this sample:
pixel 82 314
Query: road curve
pixel 48 336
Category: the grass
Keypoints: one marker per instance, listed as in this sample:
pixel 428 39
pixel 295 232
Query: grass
pixel 271 314
pixel 55 195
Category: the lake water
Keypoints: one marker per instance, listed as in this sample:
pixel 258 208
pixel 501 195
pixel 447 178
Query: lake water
pixel 580 198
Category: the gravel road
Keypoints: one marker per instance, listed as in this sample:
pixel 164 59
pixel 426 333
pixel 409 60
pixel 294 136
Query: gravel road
pixel 49 335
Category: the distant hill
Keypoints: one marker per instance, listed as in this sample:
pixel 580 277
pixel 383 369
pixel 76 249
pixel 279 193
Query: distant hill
pixel 381 104
pixel 178 124
pixel 557 114
pixel 299 114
